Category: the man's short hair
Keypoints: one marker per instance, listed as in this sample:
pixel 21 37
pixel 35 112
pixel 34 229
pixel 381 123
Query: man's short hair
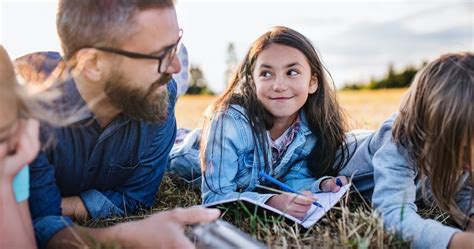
pixel 84 23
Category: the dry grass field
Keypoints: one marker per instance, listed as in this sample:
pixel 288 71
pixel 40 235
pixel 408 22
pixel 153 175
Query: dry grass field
pixel 366 109
pixel 352 224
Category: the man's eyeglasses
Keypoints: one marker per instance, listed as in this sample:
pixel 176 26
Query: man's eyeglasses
pixel 164 60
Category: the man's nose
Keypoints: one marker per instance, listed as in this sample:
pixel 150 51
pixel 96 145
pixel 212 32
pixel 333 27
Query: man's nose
pixel 175 66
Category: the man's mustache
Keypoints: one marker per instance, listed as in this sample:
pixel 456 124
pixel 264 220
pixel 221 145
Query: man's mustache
pixel 163 80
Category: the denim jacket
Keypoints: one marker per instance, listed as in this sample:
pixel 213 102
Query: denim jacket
pixel 234 162
pixel 114 170
pixel 397 188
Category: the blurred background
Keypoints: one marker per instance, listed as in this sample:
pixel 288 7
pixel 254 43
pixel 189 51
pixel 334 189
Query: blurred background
pixel 364 44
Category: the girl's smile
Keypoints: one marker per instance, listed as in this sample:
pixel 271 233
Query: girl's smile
pixel 281 99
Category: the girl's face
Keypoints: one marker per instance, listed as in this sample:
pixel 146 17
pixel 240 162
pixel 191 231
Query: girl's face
pixel 283 81
pixel 10 127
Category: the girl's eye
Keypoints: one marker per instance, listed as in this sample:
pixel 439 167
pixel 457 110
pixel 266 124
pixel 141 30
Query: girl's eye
pixel 265 74
pixel 292 72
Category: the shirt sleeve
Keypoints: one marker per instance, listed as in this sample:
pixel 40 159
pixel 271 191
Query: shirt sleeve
pixel 222 162
pixel 464 195
pixel 394 197
pixel 21 185
pixel 45 201
pixel 299 178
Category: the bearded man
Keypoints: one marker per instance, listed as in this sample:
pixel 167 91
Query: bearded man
pixel 117 100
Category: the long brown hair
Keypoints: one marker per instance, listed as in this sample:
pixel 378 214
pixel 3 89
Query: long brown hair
pixel 436 124
pixel 324 114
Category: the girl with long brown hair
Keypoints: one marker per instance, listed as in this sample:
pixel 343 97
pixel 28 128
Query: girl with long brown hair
pixel 425 152
pixel 279 115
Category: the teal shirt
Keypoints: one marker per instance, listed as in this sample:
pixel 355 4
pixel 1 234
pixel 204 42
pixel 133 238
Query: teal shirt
pixel 21 185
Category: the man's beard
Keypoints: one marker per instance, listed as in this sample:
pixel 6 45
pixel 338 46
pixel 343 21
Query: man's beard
pixel 139 104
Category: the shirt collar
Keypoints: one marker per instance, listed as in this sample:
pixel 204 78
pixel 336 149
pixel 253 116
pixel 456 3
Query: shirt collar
pixel 304 123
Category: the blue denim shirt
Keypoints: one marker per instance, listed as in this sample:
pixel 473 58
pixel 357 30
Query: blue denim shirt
pixel 234 162
pixel 113 170
pixel 398 187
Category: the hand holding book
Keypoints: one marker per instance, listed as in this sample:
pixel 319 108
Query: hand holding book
pixel 299 204
pixel 327 200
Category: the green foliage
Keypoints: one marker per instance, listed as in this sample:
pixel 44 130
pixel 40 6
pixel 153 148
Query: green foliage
pixel 392 79
pixel 197 82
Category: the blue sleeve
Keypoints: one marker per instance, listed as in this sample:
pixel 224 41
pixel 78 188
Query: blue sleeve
pixel 220 180
pixel 394 197
pixel 21 185
pixel 463 197
pixel 45 201
pixel 300 178
pixel 141 187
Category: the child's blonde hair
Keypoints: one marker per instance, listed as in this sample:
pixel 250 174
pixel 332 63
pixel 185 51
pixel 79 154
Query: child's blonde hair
pixel 436 124
pixel 31 98
pixel 12 95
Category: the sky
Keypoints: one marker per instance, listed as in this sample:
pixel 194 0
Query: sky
pixel 356 39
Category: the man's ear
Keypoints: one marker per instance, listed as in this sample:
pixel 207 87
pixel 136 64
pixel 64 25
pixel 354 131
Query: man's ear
pixel 313 84
pixel 89 64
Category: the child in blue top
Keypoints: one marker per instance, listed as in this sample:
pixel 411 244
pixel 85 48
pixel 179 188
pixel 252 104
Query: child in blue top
pixel 426 152
pixel 278 115
pixel 19 144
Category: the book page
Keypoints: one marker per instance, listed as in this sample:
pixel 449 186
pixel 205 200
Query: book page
pixel 327 200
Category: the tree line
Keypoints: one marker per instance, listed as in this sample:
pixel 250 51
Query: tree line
pixel 392 79
pixel 197 82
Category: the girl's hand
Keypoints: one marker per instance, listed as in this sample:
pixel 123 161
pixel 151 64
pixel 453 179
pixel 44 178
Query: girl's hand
pixel 333 184
pixel 292 204
pixel 24 151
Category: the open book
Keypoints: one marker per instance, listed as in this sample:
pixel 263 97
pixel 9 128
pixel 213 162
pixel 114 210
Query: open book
pixel 327 200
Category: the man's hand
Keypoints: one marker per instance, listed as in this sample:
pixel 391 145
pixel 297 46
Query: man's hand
pixel 164 229
pixel 74 207
pixel 333 184
pixel 292 204
pixel 161 230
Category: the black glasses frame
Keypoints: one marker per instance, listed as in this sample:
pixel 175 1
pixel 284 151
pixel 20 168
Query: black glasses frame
pixel 168 53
